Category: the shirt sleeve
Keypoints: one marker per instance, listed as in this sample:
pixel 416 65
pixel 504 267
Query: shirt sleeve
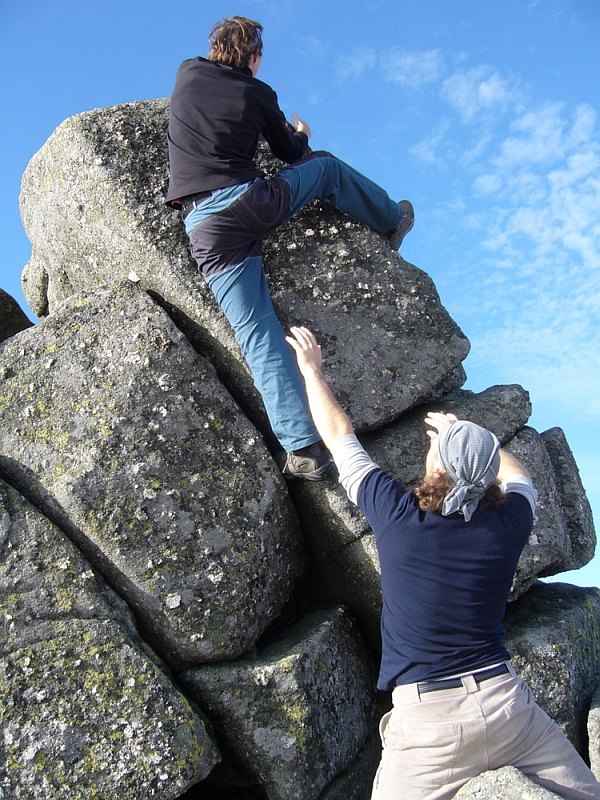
pixel 520 484
pixel 285 143
pixel 353 464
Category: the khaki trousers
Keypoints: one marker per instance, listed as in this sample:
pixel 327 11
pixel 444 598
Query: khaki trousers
pixel 436 742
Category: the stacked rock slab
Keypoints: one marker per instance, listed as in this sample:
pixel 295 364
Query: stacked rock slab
pixel 300 711
pixel 553 634
pixel 573 500
pixel 86 709
pixel 549 548
pixel 115 427
pixel 12 318
pixel 108 413
pixel 99 183
pixel 504 784
pixel 119 429
pixel 593 731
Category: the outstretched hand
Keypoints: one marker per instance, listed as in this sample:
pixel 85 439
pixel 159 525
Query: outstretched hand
pixel 301 126
pixel 439 421
pixel 330 419
pixel 308 352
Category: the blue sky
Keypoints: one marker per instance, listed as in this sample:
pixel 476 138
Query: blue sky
pixel 483 113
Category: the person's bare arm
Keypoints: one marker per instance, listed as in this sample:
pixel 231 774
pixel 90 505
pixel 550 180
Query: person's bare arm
pixel 330 419
pixel 510 467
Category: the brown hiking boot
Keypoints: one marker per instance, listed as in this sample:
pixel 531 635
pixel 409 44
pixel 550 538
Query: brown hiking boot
pixel 397 234
pixel 308 464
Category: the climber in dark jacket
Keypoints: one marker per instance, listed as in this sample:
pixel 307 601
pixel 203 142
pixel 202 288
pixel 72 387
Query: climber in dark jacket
pixel 218 111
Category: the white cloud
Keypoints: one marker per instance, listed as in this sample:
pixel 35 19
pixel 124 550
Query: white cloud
pixel 529 297
pixel 313 48
pixel 546 342
pixel 584 122
pixel 476 148
pixel 409 68
pixel 487 184
pixel 540 138
pixel 522 275
pixel 525 283
pixel 477 91
pixel 413 69
pixel 557 209
pixel 428 149
pixel 353 65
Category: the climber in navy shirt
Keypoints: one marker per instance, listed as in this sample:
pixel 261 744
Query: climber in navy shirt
pixel 448 549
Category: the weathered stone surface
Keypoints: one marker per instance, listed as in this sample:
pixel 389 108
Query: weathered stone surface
pixel 299 712
pixel 123 435
pixel 12 318
pixel 109 413
pixel 387 341
pixel 507 783
pixel 352 575
pixel 85 709
pixel 35 284
pixel 593 732
pixel 342 544
pixel 549 547
pixel 357 782
pixel 401 448
pixel 573 500
pixel 44 578
pixel 98 184
pixel 553 634
pixel 85 714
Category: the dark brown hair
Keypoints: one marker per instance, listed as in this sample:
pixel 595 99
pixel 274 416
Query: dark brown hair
pixel 234 41
pixel 431 492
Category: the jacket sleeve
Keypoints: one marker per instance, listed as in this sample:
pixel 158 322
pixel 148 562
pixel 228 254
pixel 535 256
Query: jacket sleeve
pixel 285 143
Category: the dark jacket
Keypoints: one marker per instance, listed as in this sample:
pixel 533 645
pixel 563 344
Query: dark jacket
pixel 217 114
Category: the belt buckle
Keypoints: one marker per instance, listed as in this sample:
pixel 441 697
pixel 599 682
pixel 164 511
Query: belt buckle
pixel 453 683
pixel 187 208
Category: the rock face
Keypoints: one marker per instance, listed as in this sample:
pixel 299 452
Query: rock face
pixel 503 784
pixel 99 183
pixel 572 498
pixel 301 710
pixel 553 635
pixel 12 318
pixel 167 484
pixel 175 617
pixel 87 710
pixel 549 548
pixel 593 731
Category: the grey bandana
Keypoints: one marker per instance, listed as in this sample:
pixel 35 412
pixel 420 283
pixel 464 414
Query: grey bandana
pixel 469 454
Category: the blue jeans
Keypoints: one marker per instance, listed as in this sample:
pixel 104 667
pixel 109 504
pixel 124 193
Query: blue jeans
pixel 226 245
pixel 325 177
pixel 243 295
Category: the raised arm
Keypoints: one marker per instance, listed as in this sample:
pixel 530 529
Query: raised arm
pixel 510 467
pixel 331 420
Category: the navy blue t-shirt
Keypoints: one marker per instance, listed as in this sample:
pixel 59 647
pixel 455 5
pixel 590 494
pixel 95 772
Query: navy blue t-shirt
pixel 444 581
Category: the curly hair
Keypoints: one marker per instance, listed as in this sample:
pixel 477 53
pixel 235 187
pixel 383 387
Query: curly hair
pixel 431 492
pixel 234 41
